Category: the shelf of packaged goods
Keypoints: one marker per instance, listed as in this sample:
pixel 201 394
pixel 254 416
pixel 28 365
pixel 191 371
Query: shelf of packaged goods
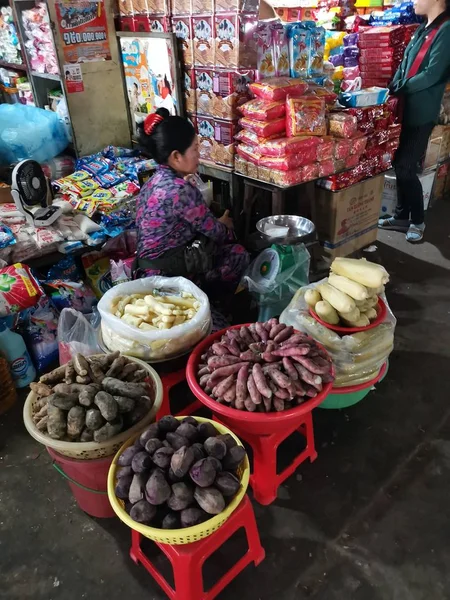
pixel 7 65
pixel 46 76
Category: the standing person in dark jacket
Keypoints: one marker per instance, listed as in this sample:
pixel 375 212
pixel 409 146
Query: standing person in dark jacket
pixel 419 83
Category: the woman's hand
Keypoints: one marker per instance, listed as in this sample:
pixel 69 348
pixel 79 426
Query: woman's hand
pixel 226 220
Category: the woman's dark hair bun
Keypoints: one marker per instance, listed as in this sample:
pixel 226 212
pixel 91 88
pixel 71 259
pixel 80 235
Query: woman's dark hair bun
pixel 171 134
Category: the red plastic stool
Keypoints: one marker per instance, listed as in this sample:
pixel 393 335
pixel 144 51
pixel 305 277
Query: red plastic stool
pixel 169 380
pixel 187 560
pixel 264 479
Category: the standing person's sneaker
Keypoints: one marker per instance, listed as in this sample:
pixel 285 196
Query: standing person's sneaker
pixel 393 224
pixel 415 233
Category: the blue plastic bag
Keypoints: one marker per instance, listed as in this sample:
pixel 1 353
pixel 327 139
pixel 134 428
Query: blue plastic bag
pixel 29 132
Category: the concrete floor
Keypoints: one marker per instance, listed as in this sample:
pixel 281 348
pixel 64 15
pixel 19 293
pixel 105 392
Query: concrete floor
pixel 369 520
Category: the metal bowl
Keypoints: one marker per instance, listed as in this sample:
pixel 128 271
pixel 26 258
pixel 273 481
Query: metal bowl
pixel 287 229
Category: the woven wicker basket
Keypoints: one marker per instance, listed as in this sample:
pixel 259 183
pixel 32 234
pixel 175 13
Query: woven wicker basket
pixel 8 390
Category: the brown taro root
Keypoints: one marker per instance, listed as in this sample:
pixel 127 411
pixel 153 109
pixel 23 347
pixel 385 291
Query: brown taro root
pixel 151 432
pixel 116 367
pixel 141 462
pixel 206 430
pixel 141 408
pixel 210 500
pixel 181 461
pixel 54 376
pixel 157 489
pixel 203 473
pixel 177 441
pixel 188 431
pixel 143 512
pixel 193 516
pixel 162 457
pixel 182 496
pixel 152 445
pixel 94 419
pixel 56 422
pixel 86 397
pixel 227 483
pixel 215 447
pixel 168 423
pixel 171 521
pixel 76 420
pixel 41 389
pixel 115 387
pixel 107 406
pixel 108 430
pixel 81 365
pixel 126 457
pixel 86 435
pixel 123 487
pixel 229 440
pixel 70 373
pixel 233 458
pixel 137 488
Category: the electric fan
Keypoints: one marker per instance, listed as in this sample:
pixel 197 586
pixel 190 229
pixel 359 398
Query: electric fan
pixel 31 193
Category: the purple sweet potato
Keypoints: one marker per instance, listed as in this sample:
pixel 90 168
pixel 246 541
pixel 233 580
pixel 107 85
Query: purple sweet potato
pixel 151 432
pixel 215 362
pixel 152 445
pixel 181 461
pixel 188 431
pixel 126 457
pixel 137 487
pixel 177 441
pixel 157 489
pixel 215 447
pixel 229 440
pixel 168 424
pixel 199 452
pixel 233 458
pixel 141 462
pixel 143 512
pixel 260 381
pixel 210 500
pixel 227 483
pixel 193 516
pixel 171 521
pixel 203 473
pixel 123 486
pixel 182 496
pixel 162 457
pixel 206 430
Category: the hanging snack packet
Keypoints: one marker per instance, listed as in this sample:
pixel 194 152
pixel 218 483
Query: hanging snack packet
pixel 280 45
pixel 265 51
pixel 299 47
pixel 316 51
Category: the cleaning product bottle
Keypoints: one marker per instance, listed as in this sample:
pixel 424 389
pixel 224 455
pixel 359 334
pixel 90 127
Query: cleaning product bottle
pixel 13 348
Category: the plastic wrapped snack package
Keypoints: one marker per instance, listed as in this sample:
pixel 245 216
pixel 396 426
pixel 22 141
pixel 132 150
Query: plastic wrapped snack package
pixel 305 116
pixel 264 128
pixel 263 110
pixel 248 137
pixel 154 344
pixel 357 357
pixel 291 161
pixel 291 146
pixel 277 88
pixel 342 125
pixel 248 153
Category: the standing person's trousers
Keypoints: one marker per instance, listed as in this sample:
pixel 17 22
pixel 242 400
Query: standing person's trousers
pixel 407 164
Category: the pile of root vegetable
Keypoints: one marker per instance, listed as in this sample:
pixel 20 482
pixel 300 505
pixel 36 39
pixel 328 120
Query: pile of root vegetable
pixel 349 297
pixel 264 367
pixel 178 473
pixel 91 398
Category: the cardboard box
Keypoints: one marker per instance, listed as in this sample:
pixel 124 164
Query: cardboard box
pixel 389 200
pixel 438 147
pixel 5 195
pixel 348 220
pixel 440 183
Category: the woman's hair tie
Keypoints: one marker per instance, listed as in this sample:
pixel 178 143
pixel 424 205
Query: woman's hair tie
pixel 151 122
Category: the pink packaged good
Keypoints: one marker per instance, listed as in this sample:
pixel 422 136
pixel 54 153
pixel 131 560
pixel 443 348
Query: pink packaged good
pixel 394 131
pixel 249 137
pixel 305 116
pixel 326 167
pixel 127 23
pixel 392 35
pixel 247 24
pixel 265 51
pixel 248 153
pixel 351 73
pixel 342 125
pixel 202 30
pixel 262 110
pixel 342 149
pixel 359 145
pixel 291 146
pixel 381 124
pixel 290 161
pixel 182 28
pixel 325 151
pixel 329 96
pixel 264 128
pixel 310 172
pixel 352 161
pixel 277 88
pixel 286 178
pixel 280 49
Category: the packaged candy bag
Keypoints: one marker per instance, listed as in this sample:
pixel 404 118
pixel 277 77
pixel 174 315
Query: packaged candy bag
pixel 342 149
pixel 299 49
pixel 262 110
pixel 265 51
pixel 290 161
pixel 280 49
pixel 316 51
pixel 249 137
pixel 326 167
pixel 264 128
pixel 289 146
pixel 342 125
pixel 18 289
pixel 305 116
pixel 277 88
pixel 248 153
pixel 326 148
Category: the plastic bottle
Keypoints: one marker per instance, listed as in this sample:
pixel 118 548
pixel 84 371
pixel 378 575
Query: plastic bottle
pixel 13 348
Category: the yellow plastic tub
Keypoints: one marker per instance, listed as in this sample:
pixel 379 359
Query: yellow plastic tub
pixel 188 534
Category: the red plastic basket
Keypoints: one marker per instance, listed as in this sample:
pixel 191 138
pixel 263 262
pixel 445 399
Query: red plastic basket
pixel 382 310
pixel 256 423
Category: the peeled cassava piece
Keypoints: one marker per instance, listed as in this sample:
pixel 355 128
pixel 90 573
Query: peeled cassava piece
pixel 360 270
pixel 326 312
pixel 210 500
pixel 338 300
pixel 312 297
pixel 352 288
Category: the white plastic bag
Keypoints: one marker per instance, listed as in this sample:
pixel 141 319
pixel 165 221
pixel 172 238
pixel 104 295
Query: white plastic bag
pixel 159 344
pixel 76 335
pixel 357 357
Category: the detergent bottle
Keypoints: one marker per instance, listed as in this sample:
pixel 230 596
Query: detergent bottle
pixel 13 348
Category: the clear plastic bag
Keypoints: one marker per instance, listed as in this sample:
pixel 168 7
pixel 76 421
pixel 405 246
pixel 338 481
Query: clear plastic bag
pixel 76 333
pixel 159 344
pixel 30 132
pixel 358 356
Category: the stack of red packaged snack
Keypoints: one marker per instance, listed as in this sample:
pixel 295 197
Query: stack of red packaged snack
pixel 381 51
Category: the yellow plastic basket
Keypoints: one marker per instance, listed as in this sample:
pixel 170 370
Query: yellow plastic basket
pixel 93 450
pixel 189 534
